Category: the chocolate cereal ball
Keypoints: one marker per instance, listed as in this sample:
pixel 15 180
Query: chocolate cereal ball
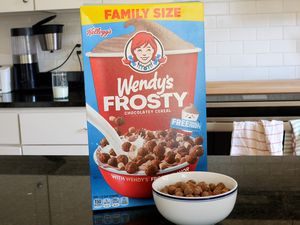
pixel 103 157
pixel 198 140
pixel 119 121
pixel 126 146
pixel 113 162
pixel 170 157
pixel 103 142
pixel 122 159
pixel 131 167
pixel 159 152
pixel 151 170
pixel 149 145
pixel 112 152
pixel 197 150
pixel 142 151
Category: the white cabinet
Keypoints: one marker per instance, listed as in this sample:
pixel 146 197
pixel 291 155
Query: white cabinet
pixel 9 129
pixel 59 4
pixel 16 5
pixel 61 132
pixel 53 128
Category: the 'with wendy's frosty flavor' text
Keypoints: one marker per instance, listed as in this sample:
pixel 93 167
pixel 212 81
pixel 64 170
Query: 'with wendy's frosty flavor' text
pixel 145 97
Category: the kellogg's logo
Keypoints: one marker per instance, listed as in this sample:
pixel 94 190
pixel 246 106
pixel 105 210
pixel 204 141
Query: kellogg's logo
pixel 144 53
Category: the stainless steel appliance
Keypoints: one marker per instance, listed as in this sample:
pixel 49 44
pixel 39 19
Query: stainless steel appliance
pixel 223 110
pixel 25 66
pixel 49 35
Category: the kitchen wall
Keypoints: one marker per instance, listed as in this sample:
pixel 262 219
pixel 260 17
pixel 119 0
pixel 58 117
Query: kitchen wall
pixel 245 39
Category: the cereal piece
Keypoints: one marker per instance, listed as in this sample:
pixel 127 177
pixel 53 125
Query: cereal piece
pixel 171 189
pixel 177 158
pixel 104 142
pixel 188 190
pixel 112 152
pixel 224 190
pixel 143 151
pixel 163 165
pixel 212 186
pixel 170 157
pixel 111 118
pixel 205 194
pixel 132 137
pixel 141 132
pixel 141 161
pixel 189 195
pixel 164 190
pixel 172 132
pixel 186 138
pixel 149 135
pixel 217 191
pixel 151 170
pixel 159 152
pixel 131 130
pixel 162 144
pixel 179 193
pixel 149 145
pixel 126 146
pixel 104 157
pixel 197 190
pixel 119 121
pixel 182 151
pixel 121 166
pixel 197 150
pixel 198 140
pixel 191 181
pixel 149 157
pixel 155 162
pixel 182 160
pixel 187 145
pixel 191 159
pixel 131 167
pixel 220 185
pixel 172 144
pixel 122 159
pixel 162 133
pixel 113 162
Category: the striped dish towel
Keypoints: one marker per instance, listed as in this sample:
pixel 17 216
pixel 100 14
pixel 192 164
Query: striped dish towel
pixel 296 133
pixel 257 138
pixel 289 145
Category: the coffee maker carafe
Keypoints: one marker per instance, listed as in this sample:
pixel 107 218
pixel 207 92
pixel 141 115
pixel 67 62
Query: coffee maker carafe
pixel 25 66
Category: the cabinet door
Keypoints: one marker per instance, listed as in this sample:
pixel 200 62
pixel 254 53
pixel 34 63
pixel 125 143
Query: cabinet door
pixel 67 192
pixel 9 129
pixel 53 128
pixel 16 5
pixel 24 200
pixel 10 150
pixel 56 150
pixel 58 4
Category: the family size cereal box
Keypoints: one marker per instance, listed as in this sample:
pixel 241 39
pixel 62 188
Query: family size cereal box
pixel 145 97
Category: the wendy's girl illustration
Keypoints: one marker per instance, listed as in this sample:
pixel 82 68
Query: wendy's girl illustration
pixel 144 52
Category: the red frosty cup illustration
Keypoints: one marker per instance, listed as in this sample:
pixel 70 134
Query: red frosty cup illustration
pixel 142 81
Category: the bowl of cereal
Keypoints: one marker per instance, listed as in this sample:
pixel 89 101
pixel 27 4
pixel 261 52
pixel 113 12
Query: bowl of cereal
pixel 195 198
pixel 147 156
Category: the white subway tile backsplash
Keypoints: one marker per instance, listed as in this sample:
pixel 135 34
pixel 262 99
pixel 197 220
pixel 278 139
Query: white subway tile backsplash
pixel 286 19
pixel 245 39
pixel 243 60
pixel 253 47
pixel 242 7
pixel 210 22
pixel 269 6
pixel 229 21
pixel 232 47
pixel 292 59
pixel 217 60
pixel 275 33
pixel 210 48
pixel 269 60
pixel 216 8
pixel 242 34
pixel 283 46
pixel 282 72
pixel 217 35
pixel 291 33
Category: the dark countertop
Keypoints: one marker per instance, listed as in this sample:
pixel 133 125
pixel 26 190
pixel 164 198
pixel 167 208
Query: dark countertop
pixel 41 98
pixel 252 207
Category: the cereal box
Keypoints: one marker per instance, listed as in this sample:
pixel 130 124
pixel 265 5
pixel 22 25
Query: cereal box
pixel 145 97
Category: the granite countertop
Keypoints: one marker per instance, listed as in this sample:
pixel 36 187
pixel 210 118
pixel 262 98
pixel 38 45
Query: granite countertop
pixel 41 98
pixel 252 207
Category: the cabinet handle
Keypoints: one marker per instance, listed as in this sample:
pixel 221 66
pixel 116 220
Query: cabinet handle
pixel 25 1
pixel 39 185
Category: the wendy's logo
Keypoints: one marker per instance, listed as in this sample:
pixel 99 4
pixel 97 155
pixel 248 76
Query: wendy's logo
pixel 144 53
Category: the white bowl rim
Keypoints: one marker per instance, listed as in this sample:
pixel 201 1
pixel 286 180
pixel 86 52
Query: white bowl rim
pixel 208 198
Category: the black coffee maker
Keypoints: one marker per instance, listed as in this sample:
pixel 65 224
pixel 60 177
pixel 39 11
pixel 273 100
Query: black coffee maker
pixel 25 66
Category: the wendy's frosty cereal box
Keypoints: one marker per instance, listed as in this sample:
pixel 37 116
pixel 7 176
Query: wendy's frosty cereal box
pixel 145 97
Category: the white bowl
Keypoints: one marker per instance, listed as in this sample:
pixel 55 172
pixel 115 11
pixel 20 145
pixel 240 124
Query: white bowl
pixel 195 210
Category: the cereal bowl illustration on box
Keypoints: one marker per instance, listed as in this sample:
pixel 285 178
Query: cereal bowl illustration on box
pixel 145 97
